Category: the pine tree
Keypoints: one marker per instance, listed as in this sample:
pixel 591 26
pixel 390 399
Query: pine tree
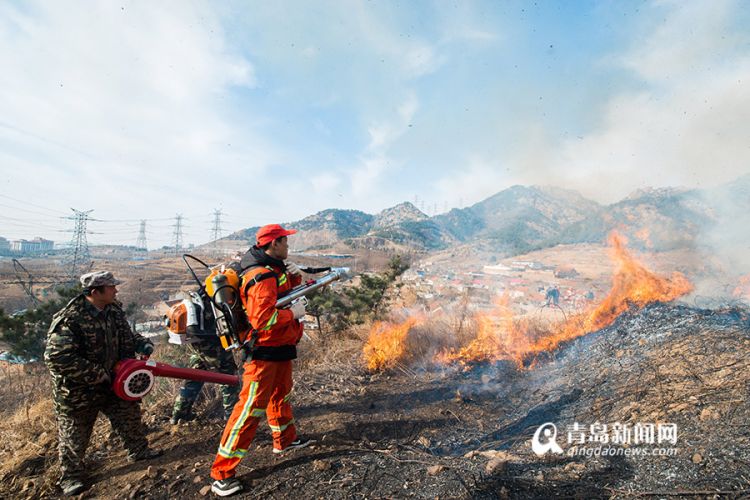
pixel 25 332
pixel 357 304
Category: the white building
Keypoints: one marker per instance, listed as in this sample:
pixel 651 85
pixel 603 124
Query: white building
pixel 34 246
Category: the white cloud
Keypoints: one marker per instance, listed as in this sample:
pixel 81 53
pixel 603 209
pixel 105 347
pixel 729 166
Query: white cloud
pixel 420 59
pixel 473 182
pixel 375 161
pixel 124 100
pixel 686 125
pixel 310 52
pixel 692 38
pixel 468 22
pixel 325 183
pixel 477 35
pixel 365 177
pixel 414 57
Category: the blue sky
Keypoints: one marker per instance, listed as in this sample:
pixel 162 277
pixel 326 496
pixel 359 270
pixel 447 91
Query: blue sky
pixel 273 111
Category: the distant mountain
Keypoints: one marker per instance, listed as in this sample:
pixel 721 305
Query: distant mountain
pixel 403 212
pixel 519 218
pixel 405 224
pixel 522 218
pixel 656 219
pixel 322 229
pixel 344 223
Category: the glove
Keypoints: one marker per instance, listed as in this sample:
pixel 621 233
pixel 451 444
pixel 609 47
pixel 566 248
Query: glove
pixel 293 268
pixel 146 349
pixel 298 309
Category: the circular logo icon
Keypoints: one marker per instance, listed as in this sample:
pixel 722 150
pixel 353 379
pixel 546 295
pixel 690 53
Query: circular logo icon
pixel 547 433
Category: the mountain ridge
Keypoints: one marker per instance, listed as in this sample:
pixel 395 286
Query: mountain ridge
pixel 523 218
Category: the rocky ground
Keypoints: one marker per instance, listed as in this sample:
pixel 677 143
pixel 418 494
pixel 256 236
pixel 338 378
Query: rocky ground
pixel 450 433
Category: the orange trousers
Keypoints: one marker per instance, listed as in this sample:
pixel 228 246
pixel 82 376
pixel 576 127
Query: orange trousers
pixel 266 388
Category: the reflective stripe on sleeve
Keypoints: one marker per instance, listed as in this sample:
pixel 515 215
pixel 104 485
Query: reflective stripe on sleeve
pixel 272 321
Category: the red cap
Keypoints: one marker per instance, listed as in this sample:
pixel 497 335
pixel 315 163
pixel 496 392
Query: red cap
pixel 267 234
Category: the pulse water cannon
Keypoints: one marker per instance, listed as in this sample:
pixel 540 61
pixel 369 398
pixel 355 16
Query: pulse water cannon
pixel 222 286
pixel 300 292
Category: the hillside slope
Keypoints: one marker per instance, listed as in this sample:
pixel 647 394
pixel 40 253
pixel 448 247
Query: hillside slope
pixel 458 433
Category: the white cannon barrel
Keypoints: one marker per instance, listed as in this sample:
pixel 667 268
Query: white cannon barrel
pixel 335 274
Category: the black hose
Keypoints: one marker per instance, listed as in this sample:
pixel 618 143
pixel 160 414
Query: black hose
pixel 195 276
pixel 314 270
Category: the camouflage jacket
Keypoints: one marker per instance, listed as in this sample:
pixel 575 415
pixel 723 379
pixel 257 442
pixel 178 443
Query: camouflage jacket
pixel 84 343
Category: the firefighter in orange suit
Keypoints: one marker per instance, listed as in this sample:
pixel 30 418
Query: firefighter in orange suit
pixel 267 378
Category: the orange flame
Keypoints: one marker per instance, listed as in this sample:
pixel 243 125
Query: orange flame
pixel 386 345
pixel 500 336
pixel 632 286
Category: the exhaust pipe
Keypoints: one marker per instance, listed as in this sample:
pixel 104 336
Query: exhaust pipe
pixel 134 378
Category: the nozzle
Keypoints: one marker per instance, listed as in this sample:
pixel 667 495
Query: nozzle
pixel 342 272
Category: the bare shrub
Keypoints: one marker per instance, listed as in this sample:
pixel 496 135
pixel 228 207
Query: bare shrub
pixel 22 385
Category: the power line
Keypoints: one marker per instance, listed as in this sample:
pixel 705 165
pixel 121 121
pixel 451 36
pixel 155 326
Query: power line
pixel 27 288
pixel 133 220
pixel 15 207
pixel 25 202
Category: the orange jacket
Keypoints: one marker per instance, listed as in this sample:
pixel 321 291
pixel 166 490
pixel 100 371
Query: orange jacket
pixel 276 327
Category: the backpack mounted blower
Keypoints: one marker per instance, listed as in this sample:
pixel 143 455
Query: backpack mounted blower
pixel 135 378
pixel 222 287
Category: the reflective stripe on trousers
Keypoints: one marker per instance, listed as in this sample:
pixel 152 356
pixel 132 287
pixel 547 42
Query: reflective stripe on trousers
pixel 266 388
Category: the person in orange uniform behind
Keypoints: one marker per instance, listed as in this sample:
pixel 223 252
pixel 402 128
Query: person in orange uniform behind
pixel 267 378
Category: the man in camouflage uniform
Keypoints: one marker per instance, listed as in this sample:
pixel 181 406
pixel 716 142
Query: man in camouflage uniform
pixel 85 341
pixel 206 353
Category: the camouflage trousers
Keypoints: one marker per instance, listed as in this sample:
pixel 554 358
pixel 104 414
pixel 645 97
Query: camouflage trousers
pixel 75 424
pixel 213 358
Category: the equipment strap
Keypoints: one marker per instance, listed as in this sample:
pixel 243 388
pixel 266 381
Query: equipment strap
pixel 257 279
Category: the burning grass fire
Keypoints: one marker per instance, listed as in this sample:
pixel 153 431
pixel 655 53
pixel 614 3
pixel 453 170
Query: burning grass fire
pixel 386 346
pixel 503 336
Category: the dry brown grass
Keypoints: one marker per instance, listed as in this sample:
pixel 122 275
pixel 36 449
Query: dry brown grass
pixel 28 431
pixel 21 385
pixel 28 428
pixel 343 349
